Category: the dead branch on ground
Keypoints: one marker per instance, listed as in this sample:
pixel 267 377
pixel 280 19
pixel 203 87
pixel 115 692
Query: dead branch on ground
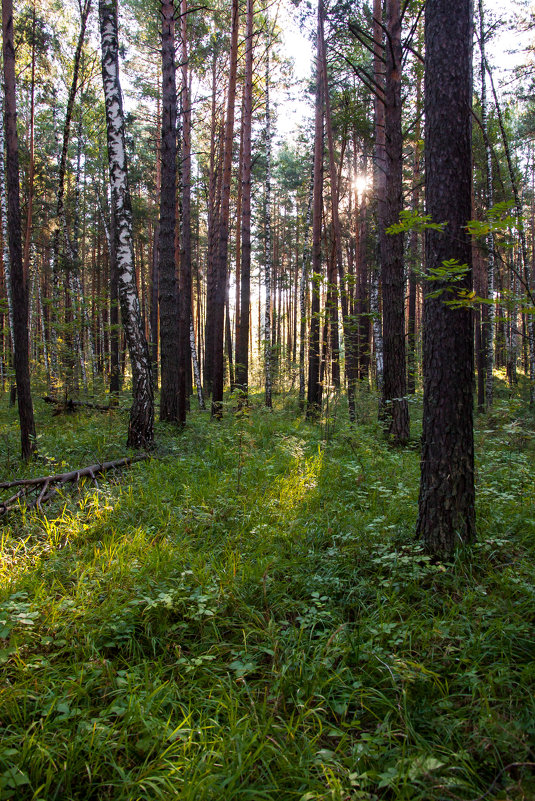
pixel 44 488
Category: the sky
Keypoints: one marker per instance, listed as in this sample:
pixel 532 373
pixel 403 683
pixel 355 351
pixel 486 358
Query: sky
pixel 505 52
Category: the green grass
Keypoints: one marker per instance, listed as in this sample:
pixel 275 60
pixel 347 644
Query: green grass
pixel 248 616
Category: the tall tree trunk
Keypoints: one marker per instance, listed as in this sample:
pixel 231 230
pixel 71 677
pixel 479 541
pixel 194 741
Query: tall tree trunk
pixel 337 270
pixel 168 295
pixel 211 270
pixel 5 234
pixel 141 425
pixel 184 306
pixel 242 336
pixel 31 166
pixel 222 260
pixel 18 280
pixel 154 310
pixel 268 250
pixel 380 193
pixel 415 260
pixel 488 326
pixel 314 386
pixel 303 284
pixel 396 409
pixel 446 503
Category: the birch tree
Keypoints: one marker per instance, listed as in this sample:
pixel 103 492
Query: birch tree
pixel 141 425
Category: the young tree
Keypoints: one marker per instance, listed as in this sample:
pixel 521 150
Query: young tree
pixel 141 425
pixel 446 503
pixel 19 287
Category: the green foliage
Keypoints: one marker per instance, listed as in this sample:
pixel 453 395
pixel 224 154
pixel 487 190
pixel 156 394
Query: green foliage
pixel 410 220
pixel 180 634
pixel 499 220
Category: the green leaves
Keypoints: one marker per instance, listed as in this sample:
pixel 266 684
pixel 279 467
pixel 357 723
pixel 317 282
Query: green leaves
pixel 499 221
pixel 412 221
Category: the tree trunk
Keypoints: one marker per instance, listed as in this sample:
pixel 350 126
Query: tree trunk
pixel 488 325
pixel 415 238
pixel 168 293
pixel 242 337
pixel 184 304
pixel 337 270
pixel 222 255
pixel 303 283
pixel 19 287
pixel 395 405
pixel 141 425
pixel 446 503
pixel 211 270
pixel 314 386
pixel 268 250
pixel 380 193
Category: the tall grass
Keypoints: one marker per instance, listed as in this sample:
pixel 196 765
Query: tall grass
pixel 248 616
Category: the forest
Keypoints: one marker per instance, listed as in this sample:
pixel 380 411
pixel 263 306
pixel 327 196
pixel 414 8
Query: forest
pixel 267 400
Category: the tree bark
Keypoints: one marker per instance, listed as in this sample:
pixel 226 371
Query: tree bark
pixel 222 255
pixel 395 405
pixel 19 287
pixel 489 320
pixel 184 304
pixel 242 337
pixel 141 424
pixel 380 193
pixel 446 503
pixel 168 292
pixel 337 269
pixel 314 387
pixel 268 252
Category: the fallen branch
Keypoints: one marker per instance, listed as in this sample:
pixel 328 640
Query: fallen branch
pixel 72 405
pixel 45 487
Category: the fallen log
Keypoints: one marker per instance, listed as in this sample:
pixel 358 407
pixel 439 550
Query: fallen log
pixel 71 405
pixel 45 487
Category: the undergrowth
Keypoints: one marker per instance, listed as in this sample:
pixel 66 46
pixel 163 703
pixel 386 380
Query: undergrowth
pixel 248 616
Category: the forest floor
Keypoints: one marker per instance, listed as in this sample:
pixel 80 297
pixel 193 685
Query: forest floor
pixel 248 616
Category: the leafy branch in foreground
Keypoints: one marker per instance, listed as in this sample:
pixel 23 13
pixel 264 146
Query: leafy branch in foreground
pixel 410 220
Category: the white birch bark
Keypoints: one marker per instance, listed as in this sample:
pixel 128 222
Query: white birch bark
pixel 3 197
pixel 40 312
pixel 196 371
pixel 141 426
